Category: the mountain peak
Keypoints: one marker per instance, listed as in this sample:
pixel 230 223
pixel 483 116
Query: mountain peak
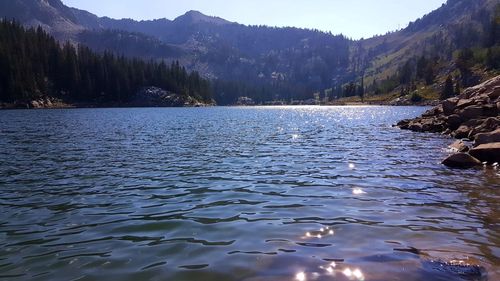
pixel 52 15
pixel 194 17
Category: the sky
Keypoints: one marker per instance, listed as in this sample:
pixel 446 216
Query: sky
pixel 354 18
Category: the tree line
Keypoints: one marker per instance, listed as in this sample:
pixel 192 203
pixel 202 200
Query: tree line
pixel 33 65
pixel 453 58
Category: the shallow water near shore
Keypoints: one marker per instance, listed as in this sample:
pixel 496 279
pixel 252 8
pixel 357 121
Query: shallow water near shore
pixel 258 193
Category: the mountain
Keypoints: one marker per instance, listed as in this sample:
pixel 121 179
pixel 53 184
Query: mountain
pixel 35 68
pixel 434 41
pixel 280 63
pixel 269 63
pixel 293 62
pixel 52 15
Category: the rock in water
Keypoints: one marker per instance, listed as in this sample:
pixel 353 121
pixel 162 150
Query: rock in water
pixel 485 138
pixel 475 115
pixel 461 160
pixel 456 271
pixel 459 116
pixel 489 152
pixel 459 146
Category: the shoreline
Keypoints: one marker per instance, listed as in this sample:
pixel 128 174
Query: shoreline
pixel 65 105
pixel 473 119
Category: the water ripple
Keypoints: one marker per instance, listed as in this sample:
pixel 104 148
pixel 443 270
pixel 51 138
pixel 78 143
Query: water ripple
pixel 236 194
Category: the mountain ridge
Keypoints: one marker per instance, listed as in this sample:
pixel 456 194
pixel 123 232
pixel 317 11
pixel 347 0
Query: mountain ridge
pixel 280 63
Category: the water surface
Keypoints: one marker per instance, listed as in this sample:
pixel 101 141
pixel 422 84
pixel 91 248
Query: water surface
pixel 271 193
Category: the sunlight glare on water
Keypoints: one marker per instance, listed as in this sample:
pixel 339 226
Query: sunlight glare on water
pixel 258 193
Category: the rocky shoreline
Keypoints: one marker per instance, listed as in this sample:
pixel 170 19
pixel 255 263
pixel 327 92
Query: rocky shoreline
pixel 146 97
pixel 473 118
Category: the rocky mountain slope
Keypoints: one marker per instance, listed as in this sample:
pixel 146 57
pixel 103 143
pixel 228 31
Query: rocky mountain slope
pixel 282 63
pixel 52 15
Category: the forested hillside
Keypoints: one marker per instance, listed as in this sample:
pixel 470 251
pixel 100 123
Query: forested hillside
pixel 457 44
pixel 33 64
pixel 264 62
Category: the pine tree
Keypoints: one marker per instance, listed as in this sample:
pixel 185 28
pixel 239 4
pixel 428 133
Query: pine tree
pixel 33 64
pixel 448 90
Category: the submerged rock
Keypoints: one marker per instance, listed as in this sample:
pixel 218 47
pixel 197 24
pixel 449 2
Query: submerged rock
pixel 461 160
pixel 458 269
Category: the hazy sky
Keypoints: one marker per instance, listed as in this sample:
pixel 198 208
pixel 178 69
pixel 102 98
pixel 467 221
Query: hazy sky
pixel 354 18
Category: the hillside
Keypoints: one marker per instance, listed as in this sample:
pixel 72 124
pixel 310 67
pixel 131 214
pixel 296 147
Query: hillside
pixel 268 63
pixel 461 34
pixel 289 64
pixel 35 68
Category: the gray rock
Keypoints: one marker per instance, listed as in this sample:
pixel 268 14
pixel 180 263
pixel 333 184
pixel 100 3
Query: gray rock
pixel 495 94
pixel 461 160
pixel 156 97
pixel 449 106
pixel 489 152
pixel 463 103
pixel 485 138
pixel 454 121
pixel 471 112
pixel 488 125
pixel 459 146
pixel 434 111
pixel 462 132
pixel 415 126
pixel 404 124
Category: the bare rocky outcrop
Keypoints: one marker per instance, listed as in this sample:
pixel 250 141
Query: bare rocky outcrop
pixel 156 97
pixel 473 115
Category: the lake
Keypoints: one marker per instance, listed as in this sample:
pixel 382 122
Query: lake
pixel 258 193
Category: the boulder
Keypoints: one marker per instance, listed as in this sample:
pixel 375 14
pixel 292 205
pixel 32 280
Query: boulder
pixel 462 132
pixel 415 126
pixel 454 121
pixel 35 104
pixel 485 138
pixel 495 94
pixel 490 110
pixel 434 111
pixel 459 146
pixel 463 103
pixel 489 152
pixel 471 112
pixel 488 125
pixel 449 106
pixel 404 124
pixel 461 160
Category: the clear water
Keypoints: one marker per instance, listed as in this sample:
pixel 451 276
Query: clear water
pixel 274 193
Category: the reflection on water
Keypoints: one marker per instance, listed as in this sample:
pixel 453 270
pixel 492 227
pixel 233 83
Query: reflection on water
pixel 274 193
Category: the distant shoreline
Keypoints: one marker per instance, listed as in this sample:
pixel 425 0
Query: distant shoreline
pixel 16 106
